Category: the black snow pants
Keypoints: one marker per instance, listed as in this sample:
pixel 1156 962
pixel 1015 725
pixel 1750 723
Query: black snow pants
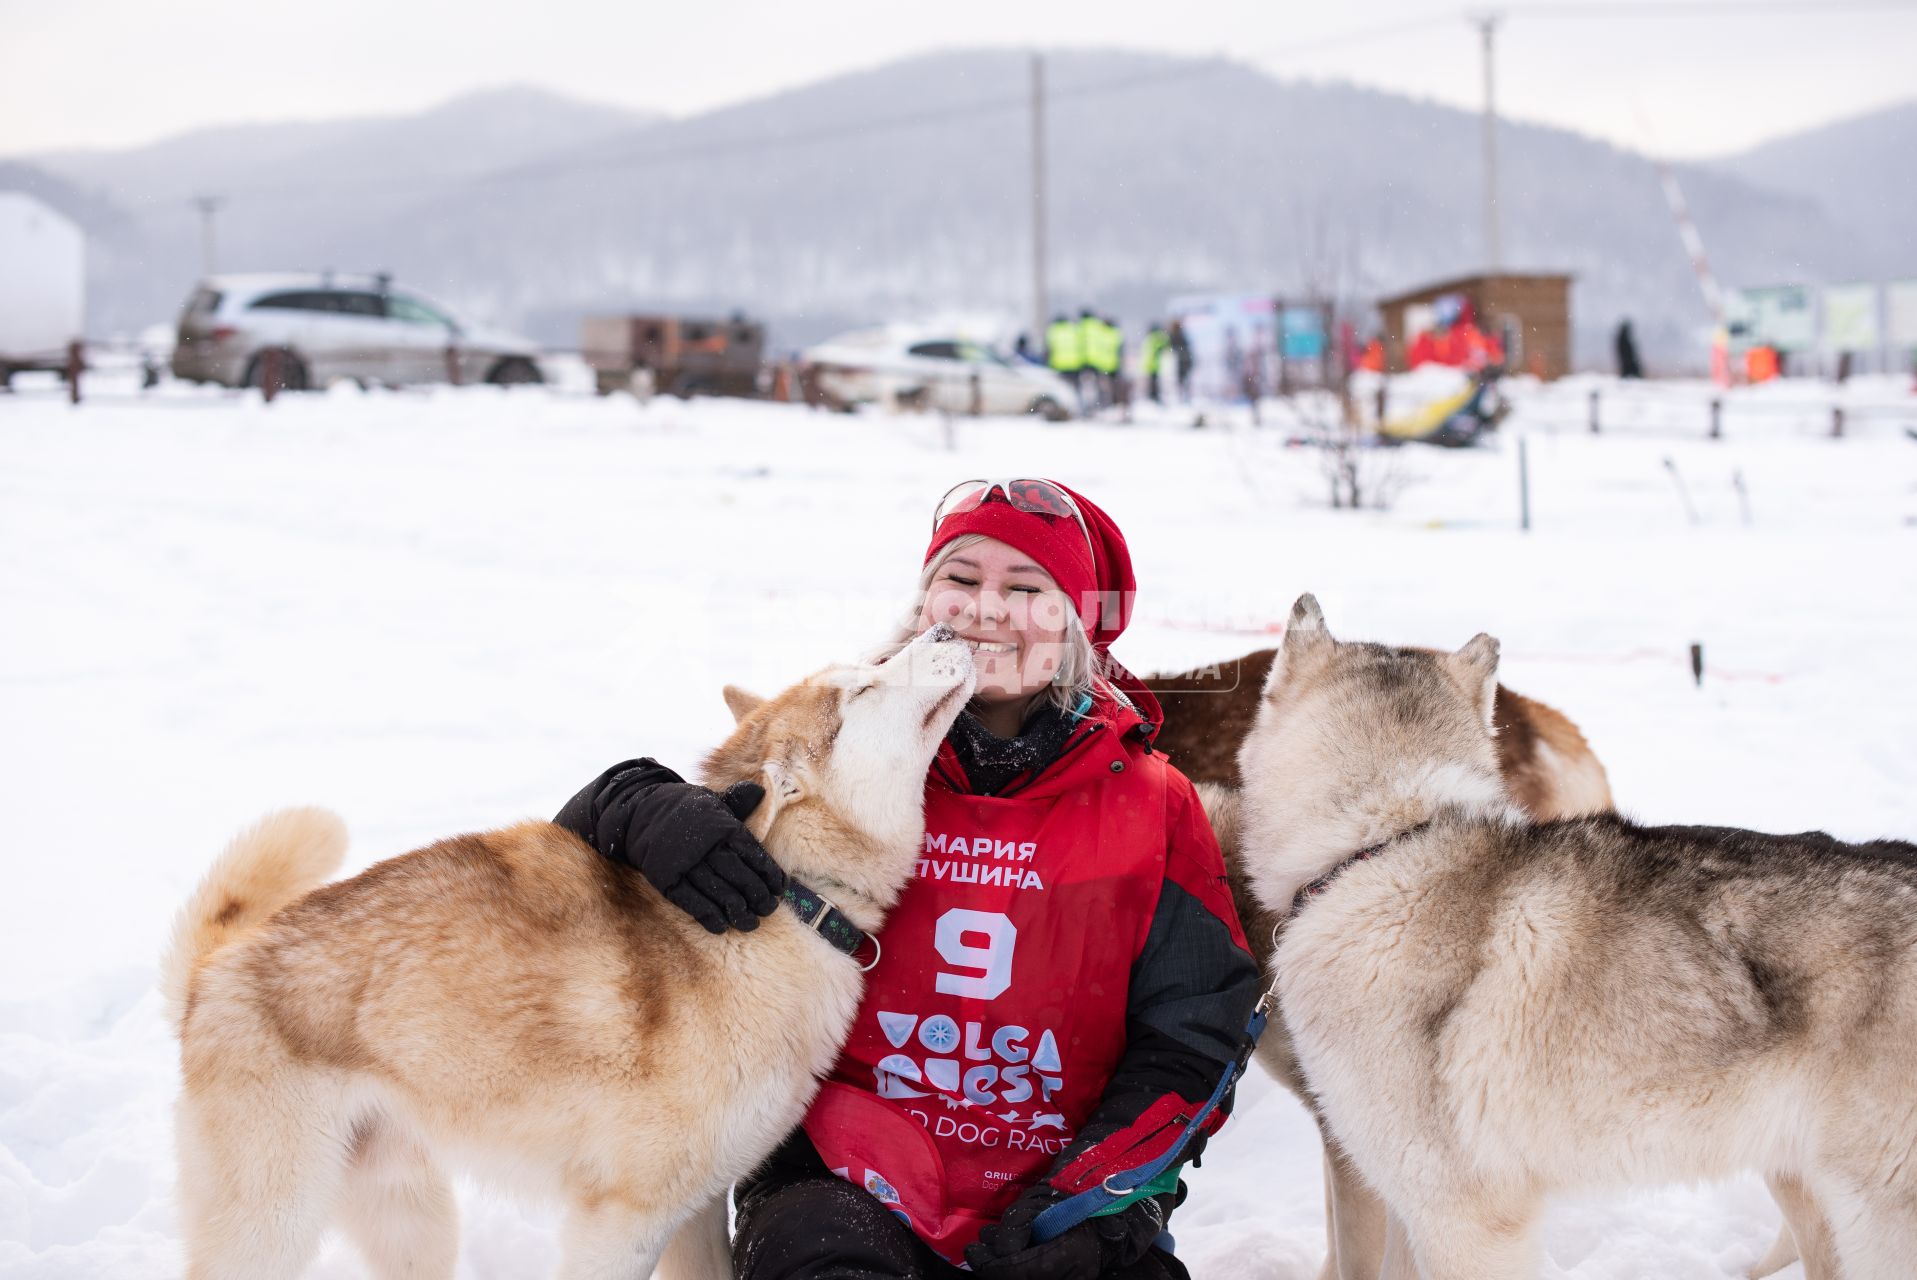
pixel 797 1221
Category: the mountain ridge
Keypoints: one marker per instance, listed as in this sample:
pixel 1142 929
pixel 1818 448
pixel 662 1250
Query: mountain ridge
pixel 1857 169
pixel 904 188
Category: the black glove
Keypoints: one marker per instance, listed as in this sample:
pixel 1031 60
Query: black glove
pixel 690 844
pixel 1095 1246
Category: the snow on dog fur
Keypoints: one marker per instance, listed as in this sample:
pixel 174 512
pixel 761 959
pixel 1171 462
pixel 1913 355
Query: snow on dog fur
pixel 513 1002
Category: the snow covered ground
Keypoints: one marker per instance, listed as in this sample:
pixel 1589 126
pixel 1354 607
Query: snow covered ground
pixel 438 611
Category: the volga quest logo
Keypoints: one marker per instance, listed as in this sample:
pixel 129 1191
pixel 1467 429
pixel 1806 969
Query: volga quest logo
pixel 995 1088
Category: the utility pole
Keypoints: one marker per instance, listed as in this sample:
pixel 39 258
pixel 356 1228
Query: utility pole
pixel 1493 242
pixel 1038 198
pixel 208 206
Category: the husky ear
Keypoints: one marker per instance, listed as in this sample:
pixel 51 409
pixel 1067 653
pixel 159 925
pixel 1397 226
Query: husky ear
pixel 782 788
pixel 1476 668
pixel 741 703
pixel 782 782
pixel 1306 643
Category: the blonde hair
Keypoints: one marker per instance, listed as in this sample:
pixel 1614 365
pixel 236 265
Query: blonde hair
pixel 1079 671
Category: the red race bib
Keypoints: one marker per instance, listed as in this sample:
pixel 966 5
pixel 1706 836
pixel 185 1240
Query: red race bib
pixel 993 1023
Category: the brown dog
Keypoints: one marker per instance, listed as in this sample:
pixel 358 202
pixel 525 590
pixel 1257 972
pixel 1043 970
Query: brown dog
pixel 1549 769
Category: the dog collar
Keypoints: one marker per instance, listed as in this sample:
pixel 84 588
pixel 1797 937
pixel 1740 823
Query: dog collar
pixel 824 918
pixel 1365 854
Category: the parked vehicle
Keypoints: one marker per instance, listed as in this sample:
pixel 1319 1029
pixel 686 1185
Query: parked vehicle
pixel 679 355
pixel 936 371
pixel 316 328
pixel 42 285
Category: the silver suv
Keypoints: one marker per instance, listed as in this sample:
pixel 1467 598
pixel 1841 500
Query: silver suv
pixel 325 327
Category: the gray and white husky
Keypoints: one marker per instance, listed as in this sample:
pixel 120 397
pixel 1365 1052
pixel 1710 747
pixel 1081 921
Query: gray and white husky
pixel 1491 1011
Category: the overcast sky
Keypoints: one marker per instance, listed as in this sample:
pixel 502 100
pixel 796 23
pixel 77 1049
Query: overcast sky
pixel 113 73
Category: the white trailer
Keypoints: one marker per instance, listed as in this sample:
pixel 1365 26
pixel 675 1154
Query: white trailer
pixel 42 285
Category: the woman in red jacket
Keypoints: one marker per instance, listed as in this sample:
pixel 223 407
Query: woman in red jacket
pixel 1065 974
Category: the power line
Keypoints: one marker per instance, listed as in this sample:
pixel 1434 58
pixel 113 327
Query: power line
pixel 837 130
pixel 849 128
pixel 1487 24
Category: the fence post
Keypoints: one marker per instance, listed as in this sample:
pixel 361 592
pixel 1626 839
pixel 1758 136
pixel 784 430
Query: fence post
pixel 1717 418
pixel 1524 488
pixel 76 365
pixel 978 395
pixel 452 364
pixel 270 373
pixel 1594 410
pixel 1837 422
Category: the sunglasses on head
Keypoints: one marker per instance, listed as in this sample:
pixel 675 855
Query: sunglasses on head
pixel 1038 497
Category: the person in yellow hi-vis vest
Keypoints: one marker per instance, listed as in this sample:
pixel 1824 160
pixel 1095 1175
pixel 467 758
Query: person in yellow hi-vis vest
pixel 1157 341
pixel 1088 329
pixel 1065 353
pixel 1116 391
pixel 1104 347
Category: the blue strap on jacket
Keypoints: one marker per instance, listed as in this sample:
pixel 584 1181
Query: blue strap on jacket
pixel 1057 1219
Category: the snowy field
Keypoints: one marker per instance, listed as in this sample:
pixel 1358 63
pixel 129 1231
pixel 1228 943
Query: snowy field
pixel 442 611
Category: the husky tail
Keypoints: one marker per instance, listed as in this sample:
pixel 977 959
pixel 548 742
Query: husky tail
pixel 267 866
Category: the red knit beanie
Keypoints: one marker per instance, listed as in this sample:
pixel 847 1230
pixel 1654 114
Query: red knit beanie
pixel 1096 576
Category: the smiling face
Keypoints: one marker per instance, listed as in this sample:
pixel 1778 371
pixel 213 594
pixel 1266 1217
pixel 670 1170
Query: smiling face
pixel 1008 610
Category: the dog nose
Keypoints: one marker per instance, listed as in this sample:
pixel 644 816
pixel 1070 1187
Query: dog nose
pixel 939 633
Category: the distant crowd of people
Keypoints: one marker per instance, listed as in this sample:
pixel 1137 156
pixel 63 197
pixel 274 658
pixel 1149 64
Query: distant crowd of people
pixel 1089 353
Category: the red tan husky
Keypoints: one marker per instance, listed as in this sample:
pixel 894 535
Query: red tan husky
pixel 516 1004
